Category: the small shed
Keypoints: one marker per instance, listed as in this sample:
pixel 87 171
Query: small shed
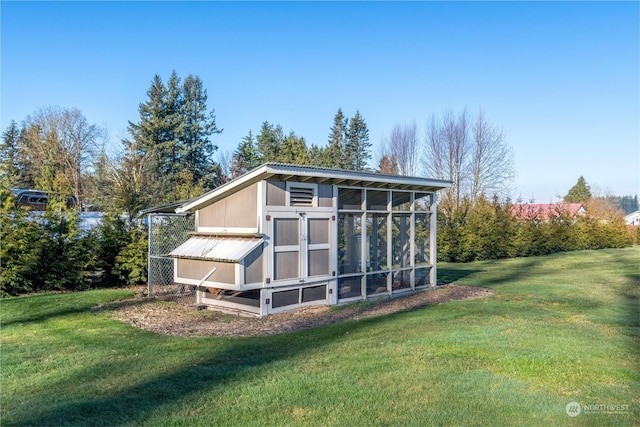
pixel 284 236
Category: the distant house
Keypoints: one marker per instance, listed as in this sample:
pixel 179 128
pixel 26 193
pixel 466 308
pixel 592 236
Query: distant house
pixel 544 212
pixel 285 236
pixel 633 218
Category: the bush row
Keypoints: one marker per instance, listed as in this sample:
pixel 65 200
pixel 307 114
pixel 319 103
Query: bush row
pixel 51 252
pixel 487 230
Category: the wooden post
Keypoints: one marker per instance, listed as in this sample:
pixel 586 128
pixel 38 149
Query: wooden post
pixel 433 226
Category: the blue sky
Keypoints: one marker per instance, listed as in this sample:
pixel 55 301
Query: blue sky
pixel 561 78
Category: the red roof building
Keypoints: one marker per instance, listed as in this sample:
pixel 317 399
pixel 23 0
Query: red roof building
pixel 544 212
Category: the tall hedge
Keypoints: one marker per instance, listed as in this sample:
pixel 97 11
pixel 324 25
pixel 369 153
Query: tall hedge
pixel 486 229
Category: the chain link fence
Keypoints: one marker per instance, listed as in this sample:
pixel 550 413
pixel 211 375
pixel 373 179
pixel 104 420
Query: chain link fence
pixel 167 231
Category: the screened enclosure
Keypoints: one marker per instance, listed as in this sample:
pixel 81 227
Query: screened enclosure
pixel 383 241
pixel 287 236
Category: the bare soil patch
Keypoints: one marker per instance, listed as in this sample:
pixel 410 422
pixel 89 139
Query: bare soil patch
pixel 182 319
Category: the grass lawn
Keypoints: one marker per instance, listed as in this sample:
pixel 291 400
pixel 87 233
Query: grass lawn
pixel 559 329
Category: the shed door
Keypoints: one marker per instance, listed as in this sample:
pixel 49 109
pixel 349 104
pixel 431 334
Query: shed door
pixel 301 247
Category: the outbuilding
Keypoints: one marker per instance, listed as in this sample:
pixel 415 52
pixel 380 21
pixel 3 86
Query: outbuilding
pixel 284 236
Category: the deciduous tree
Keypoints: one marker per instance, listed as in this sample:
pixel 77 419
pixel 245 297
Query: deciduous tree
pixel 491 162
pixel 58 148
pixel 470 152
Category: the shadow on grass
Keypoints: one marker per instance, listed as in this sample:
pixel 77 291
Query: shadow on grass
pixel 451 273
pixel 44 312
pixel 42 317
pixel 229 362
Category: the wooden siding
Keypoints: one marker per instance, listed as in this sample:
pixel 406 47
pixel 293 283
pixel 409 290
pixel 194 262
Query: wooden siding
pixel 276 193
pixel 238 210
pixel 325 195
pixel 253 266
pixel 196 269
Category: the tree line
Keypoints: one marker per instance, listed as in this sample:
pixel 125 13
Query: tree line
pixel 168 155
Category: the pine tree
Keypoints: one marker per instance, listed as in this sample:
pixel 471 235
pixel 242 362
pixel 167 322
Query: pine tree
pixel 198 126
pixel 150 132
pixel 9 146
pixel 319 156
pixel 269 142
pixel 174 128
pixel 294 151
pixel 245 157
pixel 579 193
pixel 357 150
pixel 629 204
pixel 336 144
pixel 150 139
pixel 174 136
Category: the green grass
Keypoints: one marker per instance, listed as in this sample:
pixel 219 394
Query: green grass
pixel 560 328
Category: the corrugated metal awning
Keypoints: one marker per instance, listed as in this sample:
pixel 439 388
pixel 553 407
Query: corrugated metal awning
pixel 227 249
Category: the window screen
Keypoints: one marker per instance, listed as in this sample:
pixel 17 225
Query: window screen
pixel 319 262
pixel 314 293
pixel 286 232
pixel 377 283
pixel 284 298
pixel 422 276
pixel 349 198
pixel 318 231
pixel 421 233
pixel 286 265
pixel 401 280
pixel 349 287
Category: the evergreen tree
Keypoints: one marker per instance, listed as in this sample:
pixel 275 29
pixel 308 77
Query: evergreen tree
pixel 173 136
pixel 357 150
pixel 197 127
pixel 336 144
pixel 269 142
pixel 319 156
pixel 629 204
pixel 579 193
pixel 172 152
pixel 245 157
pixel 9 169
pixel 150 133
pixel 294 150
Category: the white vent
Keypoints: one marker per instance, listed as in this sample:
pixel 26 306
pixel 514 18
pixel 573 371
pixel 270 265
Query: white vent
pixel 300 196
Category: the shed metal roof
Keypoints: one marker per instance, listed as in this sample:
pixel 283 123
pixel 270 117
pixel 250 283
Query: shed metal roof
pixel 315 174
pixel 226 249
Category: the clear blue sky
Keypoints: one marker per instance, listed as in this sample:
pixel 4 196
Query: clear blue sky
pixel 561 79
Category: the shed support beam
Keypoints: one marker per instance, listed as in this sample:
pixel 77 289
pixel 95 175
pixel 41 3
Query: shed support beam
pixel 433 226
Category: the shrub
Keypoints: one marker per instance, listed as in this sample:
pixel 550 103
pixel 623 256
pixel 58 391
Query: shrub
pixel 113 235
pixel 18 254
pixel 487 230
pixel 131 263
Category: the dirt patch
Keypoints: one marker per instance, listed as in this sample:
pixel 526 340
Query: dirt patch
pixel 172 318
